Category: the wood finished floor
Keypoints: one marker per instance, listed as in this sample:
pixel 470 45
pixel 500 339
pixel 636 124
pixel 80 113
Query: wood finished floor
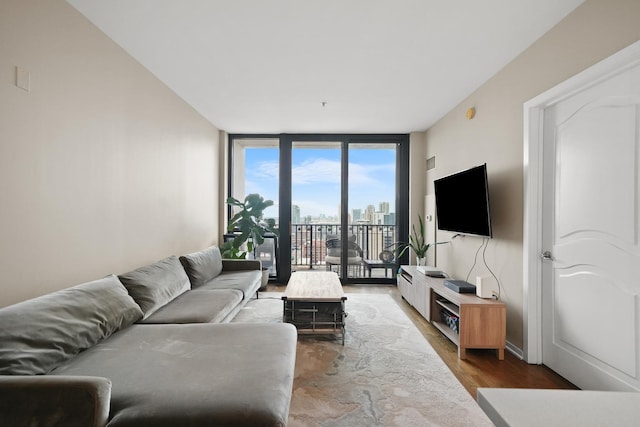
pixel 482 367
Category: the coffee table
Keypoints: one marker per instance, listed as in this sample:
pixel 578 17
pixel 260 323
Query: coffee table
pixel 315 303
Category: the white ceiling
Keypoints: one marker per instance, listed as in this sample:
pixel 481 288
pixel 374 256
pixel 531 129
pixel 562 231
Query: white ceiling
pixel 381 66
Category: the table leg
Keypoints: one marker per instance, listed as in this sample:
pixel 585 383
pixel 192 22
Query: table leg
pixel 343 315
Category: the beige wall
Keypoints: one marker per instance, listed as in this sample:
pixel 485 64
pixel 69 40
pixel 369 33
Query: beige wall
pixel 594 31
pixel 417 166
pixel 102 168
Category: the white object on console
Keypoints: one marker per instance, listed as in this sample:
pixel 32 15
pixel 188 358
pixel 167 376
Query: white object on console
pixel 430 271
pixel 483 288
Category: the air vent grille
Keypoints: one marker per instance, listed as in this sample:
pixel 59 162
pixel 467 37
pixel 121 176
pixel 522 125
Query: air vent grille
pixel 431 163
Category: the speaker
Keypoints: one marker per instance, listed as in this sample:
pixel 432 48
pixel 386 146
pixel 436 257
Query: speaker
pixel 483 287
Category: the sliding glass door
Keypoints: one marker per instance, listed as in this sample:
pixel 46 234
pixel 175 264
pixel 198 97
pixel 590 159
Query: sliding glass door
pixel 340 200
pixel 315 204
pixel 372 193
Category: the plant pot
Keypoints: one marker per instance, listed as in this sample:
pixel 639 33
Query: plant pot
pixel 421 261
pixel 265 279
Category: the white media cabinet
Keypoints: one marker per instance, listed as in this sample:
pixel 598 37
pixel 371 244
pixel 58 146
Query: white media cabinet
pixel 481 322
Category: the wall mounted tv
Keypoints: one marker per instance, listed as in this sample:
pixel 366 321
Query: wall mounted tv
pixel 462 202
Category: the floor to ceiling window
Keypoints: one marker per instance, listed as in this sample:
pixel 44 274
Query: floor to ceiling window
pixel 340 200
pixel 372 208
pixel 315 203
pixel 255 169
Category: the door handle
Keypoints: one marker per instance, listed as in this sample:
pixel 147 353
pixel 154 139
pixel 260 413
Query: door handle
pixel 546 256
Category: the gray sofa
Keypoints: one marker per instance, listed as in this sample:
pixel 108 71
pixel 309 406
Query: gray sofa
pixel 149 347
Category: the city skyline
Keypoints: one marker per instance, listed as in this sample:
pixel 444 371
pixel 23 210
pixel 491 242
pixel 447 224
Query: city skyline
pixel 370 215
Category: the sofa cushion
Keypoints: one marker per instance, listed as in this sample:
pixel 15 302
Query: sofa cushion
pixel 202 266
pixel 155 285
pixel 39 334
pixel 198 307
pixel 247 281
pixel 230 374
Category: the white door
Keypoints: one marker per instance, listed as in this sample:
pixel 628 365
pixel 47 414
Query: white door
pixel 591 219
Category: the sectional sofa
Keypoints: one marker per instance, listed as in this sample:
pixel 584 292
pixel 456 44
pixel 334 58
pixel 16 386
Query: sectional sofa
pixel 149 347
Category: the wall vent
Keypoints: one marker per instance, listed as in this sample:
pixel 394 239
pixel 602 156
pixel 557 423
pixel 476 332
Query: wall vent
pixel 431 163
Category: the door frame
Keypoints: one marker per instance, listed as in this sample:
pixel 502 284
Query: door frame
pixel 533 173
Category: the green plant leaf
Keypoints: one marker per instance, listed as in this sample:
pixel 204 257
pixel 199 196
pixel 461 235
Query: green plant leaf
pixel 249 223
pixel 417 242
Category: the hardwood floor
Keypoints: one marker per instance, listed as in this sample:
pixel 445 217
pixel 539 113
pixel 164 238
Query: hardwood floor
pixel 482 367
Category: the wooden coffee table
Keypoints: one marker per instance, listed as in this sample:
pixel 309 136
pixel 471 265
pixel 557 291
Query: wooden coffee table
pixel 315 303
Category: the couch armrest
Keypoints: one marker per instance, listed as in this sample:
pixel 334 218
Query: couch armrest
pixel 54 400
pixel 241 264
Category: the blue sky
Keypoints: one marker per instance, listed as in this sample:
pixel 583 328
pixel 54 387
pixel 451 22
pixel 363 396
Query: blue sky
pixel 316 178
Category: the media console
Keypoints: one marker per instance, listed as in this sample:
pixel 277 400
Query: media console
pixel 468 321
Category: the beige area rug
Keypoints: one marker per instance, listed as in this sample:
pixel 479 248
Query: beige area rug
pixel 386 374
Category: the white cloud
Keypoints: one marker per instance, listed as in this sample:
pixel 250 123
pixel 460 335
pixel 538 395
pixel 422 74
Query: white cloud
pixel 269 170
pixel 361 174
pixel 316 184
pixel 316 171
pixel 328 171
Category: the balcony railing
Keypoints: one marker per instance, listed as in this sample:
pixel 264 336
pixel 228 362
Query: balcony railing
pixel 309 247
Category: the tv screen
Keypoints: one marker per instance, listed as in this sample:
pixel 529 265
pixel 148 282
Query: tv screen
pixel 462 202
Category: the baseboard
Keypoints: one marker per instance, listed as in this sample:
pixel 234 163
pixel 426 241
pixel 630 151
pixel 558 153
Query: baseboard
pixel 517 352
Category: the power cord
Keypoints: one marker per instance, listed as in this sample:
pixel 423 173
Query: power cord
pixel 475 260
pixel 491 271
pixel 484 245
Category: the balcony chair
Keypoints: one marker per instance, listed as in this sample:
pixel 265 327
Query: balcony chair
pixel 334 251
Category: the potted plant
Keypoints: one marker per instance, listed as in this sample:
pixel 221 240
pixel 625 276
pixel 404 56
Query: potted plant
pixel 249 226
pixel 417 243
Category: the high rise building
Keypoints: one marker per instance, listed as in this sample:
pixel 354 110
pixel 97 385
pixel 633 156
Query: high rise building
pixel 384 208
pixel 390 219
pixel 295 214
pixel 370 213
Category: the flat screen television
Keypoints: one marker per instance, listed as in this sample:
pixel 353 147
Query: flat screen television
pixel 462 202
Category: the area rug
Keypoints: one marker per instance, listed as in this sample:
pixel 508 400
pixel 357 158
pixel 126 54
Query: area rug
pixel 386 374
